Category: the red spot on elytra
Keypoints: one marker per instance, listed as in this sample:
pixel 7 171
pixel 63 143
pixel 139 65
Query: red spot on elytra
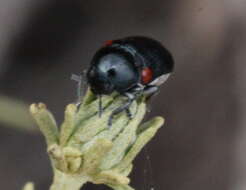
pixel 108 43
pixel 146 75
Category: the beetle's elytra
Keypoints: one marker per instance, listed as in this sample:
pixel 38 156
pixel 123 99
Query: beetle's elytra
pixel 132 66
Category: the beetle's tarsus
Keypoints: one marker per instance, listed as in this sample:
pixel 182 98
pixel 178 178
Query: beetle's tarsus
pixel 129 114
pixel 110 121
pixel 100 109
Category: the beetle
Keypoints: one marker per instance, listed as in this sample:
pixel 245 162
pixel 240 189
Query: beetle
pixel 131 66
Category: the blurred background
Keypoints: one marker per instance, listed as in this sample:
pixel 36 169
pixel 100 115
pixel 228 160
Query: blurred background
pixel 202 145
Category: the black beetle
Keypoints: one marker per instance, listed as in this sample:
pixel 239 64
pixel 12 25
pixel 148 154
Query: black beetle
pixel 132 66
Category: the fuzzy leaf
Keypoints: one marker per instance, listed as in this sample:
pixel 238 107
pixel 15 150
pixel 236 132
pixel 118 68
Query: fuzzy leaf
pixel 46 122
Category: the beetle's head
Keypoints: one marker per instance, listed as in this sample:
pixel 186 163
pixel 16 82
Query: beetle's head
pixel 110 72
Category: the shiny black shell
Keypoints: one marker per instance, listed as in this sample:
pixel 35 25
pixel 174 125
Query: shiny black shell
pixel 118 65
pixel 149 53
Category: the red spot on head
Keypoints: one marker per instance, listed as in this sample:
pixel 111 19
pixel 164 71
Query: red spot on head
pixel 108 43
pixel 146 75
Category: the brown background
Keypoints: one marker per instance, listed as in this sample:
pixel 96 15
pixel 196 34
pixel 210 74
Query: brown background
pixel 201 146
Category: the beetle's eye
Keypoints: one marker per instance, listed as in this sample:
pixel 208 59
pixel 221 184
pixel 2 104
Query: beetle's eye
pixel 111 72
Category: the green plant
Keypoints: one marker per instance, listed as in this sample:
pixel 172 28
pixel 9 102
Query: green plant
pixel 85 149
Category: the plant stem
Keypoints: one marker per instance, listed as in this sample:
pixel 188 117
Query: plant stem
pixel 64 181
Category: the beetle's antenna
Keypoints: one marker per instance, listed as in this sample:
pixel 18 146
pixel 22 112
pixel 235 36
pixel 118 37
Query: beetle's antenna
pixel 100 109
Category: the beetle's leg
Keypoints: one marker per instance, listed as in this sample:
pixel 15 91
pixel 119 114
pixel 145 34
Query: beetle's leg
pixel 100 108
pixel 135 92
pixel 138 89
pixel 150 91
pixel 131 98
pixel 128 113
